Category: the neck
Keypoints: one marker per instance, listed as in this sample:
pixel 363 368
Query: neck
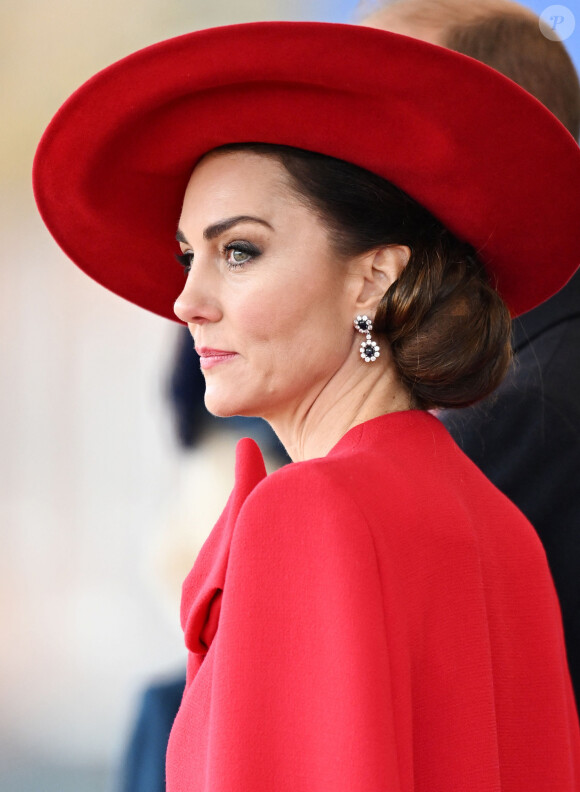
pixel 355 394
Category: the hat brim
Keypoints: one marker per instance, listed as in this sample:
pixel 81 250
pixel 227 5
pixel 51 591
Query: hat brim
pixel 479 152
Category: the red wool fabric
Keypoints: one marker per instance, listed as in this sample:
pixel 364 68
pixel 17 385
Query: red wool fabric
pixel 483 155
pixel 378 619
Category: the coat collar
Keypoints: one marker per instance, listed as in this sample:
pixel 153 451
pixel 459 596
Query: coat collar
pixel 202 589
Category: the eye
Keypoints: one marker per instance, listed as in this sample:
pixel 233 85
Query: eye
pixel 240 253
pixel 185 259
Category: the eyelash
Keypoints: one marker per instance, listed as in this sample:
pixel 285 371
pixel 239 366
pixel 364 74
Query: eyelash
pixel 185 259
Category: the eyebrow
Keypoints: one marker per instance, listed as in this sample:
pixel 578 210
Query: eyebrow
pixel 213 231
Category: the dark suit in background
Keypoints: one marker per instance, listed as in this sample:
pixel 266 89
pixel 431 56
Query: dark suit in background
pixel 526 439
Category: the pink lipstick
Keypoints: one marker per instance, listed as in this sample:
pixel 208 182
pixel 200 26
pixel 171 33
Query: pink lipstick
pixel 208 358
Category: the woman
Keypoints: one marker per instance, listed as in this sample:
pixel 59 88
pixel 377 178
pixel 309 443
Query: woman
pixel 360 213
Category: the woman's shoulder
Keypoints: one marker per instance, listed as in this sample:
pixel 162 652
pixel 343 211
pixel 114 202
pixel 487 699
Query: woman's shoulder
pixel 303 507
pixel 302 522
pixel 311 486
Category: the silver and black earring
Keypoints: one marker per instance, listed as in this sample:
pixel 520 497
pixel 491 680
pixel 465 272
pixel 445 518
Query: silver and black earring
pixel 369 349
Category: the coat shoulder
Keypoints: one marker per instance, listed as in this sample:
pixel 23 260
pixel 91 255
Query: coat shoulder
pixel 304 507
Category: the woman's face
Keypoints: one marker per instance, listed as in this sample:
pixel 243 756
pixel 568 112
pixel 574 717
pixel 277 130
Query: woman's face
pixel 269 304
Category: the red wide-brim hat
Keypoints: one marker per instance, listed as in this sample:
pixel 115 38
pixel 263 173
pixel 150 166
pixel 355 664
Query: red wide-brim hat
pixel 479 152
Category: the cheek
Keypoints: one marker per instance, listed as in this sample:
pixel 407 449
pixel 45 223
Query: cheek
pixel 293 337
pixel 304 328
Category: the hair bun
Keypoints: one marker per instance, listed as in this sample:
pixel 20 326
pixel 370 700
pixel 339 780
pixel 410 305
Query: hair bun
pixel 448 328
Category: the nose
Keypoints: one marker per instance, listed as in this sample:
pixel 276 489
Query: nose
pixel 197 303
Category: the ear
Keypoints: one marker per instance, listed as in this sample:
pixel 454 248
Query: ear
pixel 378 269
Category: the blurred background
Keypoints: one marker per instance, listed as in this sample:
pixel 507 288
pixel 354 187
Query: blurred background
pixel 91 477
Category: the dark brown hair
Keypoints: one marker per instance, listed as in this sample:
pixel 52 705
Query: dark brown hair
pixel 448 329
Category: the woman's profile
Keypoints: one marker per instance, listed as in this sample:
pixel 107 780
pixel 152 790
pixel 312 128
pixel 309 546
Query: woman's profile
pixel 358 215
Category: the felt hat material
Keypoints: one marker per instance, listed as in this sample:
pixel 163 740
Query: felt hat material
pixel 474 148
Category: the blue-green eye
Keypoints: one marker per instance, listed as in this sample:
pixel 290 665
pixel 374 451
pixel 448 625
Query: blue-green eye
pixel 238 256
pixel 240 253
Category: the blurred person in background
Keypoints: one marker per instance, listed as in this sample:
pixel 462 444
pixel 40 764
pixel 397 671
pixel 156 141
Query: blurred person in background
pixel 525 436
pixel 356 213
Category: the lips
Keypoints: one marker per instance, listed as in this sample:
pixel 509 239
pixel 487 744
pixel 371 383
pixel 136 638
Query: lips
pixel 209 357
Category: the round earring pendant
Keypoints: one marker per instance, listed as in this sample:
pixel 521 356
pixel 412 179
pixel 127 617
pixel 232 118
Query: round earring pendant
pixel 363 324
pixel 369 351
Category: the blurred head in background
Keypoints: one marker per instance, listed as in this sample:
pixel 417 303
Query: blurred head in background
pixel 503 34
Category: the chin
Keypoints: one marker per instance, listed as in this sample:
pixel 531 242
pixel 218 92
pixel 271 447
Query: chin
pixel 222 407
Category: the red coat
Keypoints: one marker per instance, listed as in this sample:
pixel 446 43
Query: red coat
pixel 378 619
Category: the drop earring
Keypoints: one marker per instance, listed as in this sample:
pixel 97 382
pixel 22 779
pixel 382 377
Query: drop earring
pixel 369 350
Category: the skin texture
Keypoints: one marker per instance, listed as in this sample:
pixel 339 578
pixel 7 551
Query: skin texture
pixel 429 20
pixel 285 314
